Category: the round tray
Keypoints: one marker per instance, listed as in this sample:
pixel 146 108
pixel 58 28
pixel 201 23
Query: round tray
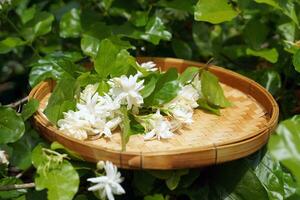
pixel 240 130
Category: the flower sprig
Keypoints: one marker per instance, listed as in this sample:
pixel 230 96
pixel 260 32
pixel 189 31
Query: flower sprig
pixel 107 182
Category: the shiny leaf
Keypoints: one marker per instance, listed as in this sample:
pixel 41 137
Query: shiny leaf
pixel 12 126
pixel 70 24
pixel 206 10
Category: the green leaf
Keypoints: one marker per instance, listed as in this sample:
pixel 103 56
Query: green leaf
pixel 12 126
pixel 166 88
pixel 144 185
pixel 188 75
pixel 206 10
pixel 296 60
pixel 103 87
pixel 270 55
pixel 173 181
pixel 90 45
pixel 10 43
pixel 21 156
pixel 166 93
pixel 30 108
pixel 62 99
pixel 172 177
pixel 154 197
pixel 54 174
pixel 255 33
pixel 156 31
pixel 43 71
pixel 271 80
pixel 53 66
pixel 182 49
pixel 212 90
pixel 69 25
pixel 203 104
pixel 40 25
pixel 285 145
pixel 13 194
pixel 149 86
pixel 202 37
pixel 287 7
pixel 122 63
pixel 135 126
pixel 236 180
pixel 87 78
pixel 58 146
pixel 125 126
pixel 188 179
pixel 278 183
pixel 105 58
pixel 28 14
pixel 139 18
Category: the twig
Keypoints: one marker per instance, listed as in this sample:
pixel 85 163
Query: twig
pixel 17 103
pixel 208 63
pixel 16 186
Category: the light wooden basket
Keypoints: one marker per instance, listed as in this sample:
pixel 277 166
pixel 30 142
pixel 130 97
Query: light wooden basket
pixel 240 130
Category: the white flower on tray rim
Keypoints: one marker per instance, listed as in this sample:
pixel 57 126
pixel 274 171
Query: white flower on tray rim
pixel 149 66
pixel 125 90
pixel 156 126
pixel 107 185
pixel 3 158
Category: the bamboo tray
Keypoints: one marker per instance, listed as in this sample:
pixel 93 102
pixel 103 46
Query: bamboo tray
pixel 240 130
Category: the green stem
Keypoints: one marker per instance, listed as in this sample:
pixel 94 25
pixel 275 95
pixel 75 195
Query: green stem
pixel 17 186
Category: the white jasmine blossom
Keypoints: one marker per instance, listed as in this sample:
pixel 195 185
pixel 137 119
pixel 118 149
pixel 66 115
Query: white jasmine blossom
pixel 125 90
pixel 3 158
pixel 88 92
pixel 72 125
pixel 98 107
pixel 182 113
pixel 96 115
pixel 156 126
pixel 188 95
pixel 108 185
pixel 149 66
pixel 182 107
pixel 111 125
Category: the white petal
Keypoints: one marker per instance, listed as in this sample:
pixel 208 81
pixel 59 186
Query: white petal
pixel 98 179
pixel 149 135
pixel 117 189
pixel 96 187
pixel 109 194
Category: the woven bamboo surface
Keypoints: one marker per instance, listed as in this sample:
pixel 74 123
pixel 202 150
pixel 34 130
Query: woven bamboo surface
pixel 239 131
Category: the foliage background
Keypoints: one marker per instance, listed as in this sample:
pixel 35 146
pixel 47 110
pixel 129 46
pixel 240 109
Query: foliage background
pixel 41 39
